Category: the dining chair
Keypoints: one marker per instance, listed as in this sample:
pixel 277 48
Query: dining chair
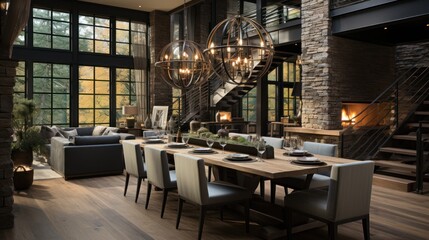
pixel 193 187
pixel 319 180
pixel 245 136
pixel 149 134
pixel 348 199
pixel 134 164
pixel 158 174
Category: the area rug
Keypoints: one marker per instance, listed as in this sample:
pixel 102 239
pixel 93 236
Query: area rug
pixel 43 171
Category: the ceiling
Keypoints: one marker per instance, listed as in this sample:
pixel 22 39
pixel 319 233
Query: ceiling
pixel 141 5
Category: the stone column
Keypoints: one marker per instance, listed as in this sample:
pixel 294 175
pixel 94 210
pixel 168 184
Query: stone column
pixel 7 81
pixel 320 96
pixel 160 92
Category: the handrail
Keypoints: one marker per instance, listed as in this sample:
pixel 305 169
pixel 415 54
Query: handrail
pixel 375 125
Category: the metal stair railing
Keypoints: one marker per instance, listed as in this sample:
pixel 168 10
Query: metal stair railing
pixel 422 164
pixel 375 125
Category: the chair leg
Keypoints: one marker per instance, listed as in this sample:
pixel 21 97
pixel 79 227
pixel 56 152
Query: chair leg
pixel 365 225
pixel 139 183
pixel 149 190
pixel 179 212
pixel 332 229
pixel 210 174
pixel 262 186
pixel 273 192
pixel 288 220
pixel 201 224
pixel 246 214
pixel 127 180
pixel 164 200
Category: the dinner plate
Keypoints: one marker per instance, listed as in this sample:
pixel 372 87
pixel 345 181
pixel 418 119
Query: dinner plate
pixel 177 145
pixel 203 150
pixel 238 156
pixel 239 159
pixel 154 140
pixel 299 154
pixel 308 159
pixel 308 162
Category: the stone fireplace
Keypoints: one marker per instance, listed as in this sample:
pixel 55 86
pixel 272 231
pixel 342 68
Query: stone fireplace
pixel 364 114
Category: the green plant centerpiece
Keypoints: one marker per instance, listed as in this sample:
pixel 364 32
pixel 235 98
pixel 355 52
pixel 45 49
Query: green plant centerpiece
pixel 26 137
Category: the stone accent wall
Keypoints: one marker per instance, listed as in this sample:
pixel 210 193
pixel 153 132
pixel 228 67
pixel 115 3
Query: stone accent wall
pixel 408 55
pixel 160 92
pixel 320 98
pixel 336 70
pixel 7 81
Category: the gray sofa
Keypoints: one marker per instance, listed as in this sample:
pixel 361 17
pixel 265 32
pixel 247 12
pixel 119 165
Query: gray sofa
pixel 86 155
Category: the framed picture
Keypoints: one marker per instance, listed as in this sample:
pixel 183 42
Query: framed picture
pixel 159 116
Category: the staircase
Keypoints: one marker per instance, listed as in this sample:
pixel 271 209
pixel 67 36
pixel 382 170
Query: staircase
pixel 395 134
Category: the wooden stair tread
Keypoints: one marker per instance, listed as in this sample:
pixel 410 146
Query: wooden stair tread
pixel 405 137
pixel 421 112
pixel 395 164
pixel 425 125
pixel 395 183
pixel 425 102
pixel 402 151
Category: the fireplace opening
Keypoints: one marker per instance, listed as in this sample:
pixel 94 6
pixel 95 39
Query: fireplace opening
pixel 364 114
pixel 225 116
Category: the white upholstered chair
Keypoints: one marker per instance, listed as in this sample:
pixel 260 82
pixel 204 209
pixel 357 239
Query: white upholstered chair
pixel 307 181
pixel 348 199
pixel 158 174
pixel 193 187
pixel 149 134
pixel 134 164
pixel 274 142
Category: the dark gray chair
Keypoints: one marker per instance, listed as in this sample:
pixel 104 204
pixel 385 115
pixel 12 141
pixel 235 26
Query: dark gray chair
pixel 348 199
pixel 307 181
pixel 134 164
pixel 158 174
pixel 193 187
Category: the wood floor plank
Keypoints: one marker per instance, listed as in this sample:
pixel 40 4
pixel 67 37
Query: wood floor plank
pixel 95 208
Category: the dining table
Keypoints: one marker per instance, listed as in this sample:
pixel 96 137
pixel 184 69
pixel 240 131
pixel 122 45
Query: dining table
pixel 248 173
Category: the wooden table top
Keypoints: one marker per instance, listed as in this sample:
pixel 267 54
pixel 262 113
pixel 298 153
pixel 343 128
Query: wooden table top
pixel 279 167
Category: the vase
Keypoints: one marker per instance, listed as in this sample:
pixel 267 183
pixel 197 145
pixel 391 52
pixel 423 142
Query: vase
pixel 171 124
pixel 223 132
pixel 194 125
pixel 148 122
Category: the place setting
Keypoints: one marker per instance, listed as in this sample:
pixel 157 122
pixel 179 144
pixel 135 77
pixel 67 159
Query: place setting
pixel 308 161
pixel 294 148
pixel 183 144
pixel 239 157
pixel 153 141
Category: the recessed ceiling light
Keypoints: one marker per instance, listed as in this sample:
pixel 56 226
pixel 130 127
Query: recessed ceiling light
pixel 385 28
pixel 427 25
pixel 140 6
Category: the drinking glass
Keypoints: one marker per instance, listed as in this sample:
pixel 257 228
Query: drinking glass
pixel 260 147
pixel 222 142
pixel 293 142
pixel 209 141
pixel 287 145
pixel 299 143
pixel 185 138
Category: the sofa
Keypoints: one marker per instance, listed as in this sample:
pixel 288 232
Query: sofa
pixel 84 154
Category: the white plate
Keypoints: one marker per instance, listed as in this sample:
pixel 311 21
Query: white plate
pixel 238 155
pixel 177 145
pixel 203 149
pixel 154 140
pixel 308 159
pixel 299 152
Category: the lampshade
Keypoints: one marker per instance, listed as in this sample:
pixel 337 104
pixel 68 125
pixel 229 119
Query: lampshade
pixel 240 50
pixel 182 64
pixel 129 110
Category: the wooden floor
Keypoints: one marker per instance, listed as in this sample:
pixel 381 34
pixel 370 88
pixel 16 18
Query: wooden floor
pixel 95 208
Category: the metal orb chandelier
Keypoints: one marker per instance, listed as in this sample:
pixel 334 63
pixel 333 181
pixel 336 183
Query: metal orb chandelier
pixel 182 64
pixel 240 50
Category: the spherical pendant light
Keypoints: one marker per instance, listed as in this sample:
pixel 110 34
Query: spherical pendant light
pixel 182 64
pixel 240 50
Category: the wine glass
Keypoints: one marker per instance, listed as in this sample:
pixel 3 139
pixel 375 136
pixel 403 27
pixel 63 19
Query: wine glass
pixel 185 138
pixel 222 143
pixel 287 144
pixel 209 141
pixel 260 147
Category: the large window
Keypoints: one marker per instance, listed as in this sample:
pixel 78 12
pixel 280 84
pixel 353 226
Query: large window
pixel 125 90
pixel 249 105
pixel 94 93
pixel 19 88
pixel 51 29
pixel 177 102
pixel 272 96
pixel 94 34
pixel 51 93
pixel 291 75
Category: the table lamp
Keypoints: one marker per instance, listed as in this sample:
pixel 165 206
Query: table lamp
pixel 130 112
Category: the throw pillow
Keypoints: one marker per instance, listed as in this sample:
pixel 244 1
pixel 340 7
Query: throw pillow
pixel 98 131
pixel 110 129
pixel 57 131
pixel 68 134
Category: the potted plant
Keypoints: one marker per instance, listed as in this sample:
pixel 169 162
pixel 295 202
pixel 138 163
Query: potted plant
pixel 26 137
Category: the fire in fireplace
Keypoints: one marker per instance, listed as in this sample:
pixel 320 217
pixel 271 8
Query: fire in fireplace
pixel 225 116
pixel 364 114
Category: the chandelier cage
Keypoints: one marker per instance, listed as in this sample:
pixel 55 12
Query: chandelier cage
pixel 242 47
pixel 182 63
